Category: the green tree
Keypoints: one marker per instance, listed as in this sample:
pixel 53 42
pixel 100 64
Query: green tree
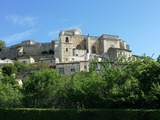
pixel 41 87
pixel 22 67
pixel 10 92
pixel 158 58
pixel 9 96
pixel 2 45
pixel 9 70
pixel 121 87
pixel 143 73
pixel 82 90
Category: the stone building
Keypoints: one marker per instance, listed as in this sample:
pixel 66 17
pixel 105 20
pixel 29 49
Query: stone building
pixel 71 67
pixel 75 46
pixel 27 60
pixel 72 47
pixel 6 62
pixel 28 48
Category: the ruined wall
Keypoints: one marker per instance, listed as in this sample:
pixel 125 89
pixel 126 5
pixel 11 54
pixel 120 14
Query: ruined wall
pixel 34 50
pixel 8 52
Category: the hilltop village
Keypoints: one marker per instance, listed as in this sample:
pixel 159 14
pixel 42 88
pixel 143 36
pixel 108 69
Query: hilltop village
pixel 71 52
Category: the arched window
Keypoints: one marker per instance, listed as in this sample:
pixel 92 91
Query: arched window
pixel 94 49
pixel 78 47
pixel 67 39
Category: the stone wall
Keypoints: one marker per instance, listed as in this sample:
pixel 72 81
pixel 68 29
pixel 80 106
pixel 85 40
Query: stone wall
pixel 34 50
pixel 70 41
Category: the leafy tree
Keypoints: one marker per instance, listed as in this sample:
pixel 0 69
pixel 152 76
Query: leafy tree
pixel 22 67
pixel 145 73
pixel 41 87
pixel 10 92
pixel 82 90
pixel 41 66
pixel 158 58
pixel 9 70
pixel 2 45
pixel 126 84
pixel 9 96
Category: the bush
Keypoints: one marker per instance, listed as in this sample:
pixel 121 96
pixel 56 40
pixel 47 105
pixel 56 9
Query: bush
pixel 86 114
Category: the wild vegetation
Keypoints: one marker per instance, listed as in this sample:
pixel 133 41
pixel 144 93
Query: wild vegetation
pixel 134 84
pixel 2 44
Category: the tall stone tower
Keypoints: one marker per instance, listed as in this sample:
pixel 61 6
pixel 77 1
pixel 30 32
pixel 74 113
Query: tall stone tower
pixel 67 43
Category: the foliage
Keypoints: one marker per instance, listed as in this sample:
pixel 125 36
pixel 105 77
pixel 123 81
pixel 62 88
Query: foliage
pixel 132 83
pixel 73 114
pixel 9 96
pixel 40 88
pixel 22 67
pixel 2 45
pixel 9 70
pixel 81 90
pixel 10 92
pixel 158 58
pixel 41 66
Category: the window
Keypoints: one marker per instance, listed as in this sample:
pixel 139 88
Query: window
pixel 78 47
pixel 61 69
pixel 85 67
pixel 67 39
pixel 94 49
pixel 120 53
pixel 73 69
pixel 76 54
pixel 66 49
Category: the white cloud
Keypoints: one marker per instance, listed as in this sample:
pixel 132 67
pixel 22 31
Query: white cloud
pixel 11 39
pixel 21 20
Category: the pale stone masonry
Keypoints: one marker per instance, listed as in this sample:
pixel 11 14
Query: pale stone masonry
pixel 73 44
pixel 71 47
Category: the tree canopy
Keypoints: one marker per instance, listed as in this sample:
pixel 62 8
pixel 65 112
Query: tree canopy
pixel 125 84
pixel 40 88
pixel 9 70
pixel 2 45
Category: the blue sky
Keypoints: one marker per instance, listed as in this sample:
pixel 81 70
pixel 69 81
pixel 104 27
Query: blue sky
pixel 135 21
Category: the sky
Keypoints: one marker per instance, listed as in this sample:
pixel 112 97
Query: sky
pixel 135 21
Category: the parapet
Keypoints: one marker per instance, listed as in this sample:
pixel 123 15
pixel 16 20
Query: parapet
pixel 109 36
pixel 29 42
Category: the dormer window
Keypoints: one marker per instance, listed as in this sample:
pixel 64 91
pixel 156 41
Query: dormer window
pixel 67 39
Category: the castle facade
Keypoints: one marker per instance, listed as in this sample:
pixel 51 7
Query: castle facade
pixel 71 47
